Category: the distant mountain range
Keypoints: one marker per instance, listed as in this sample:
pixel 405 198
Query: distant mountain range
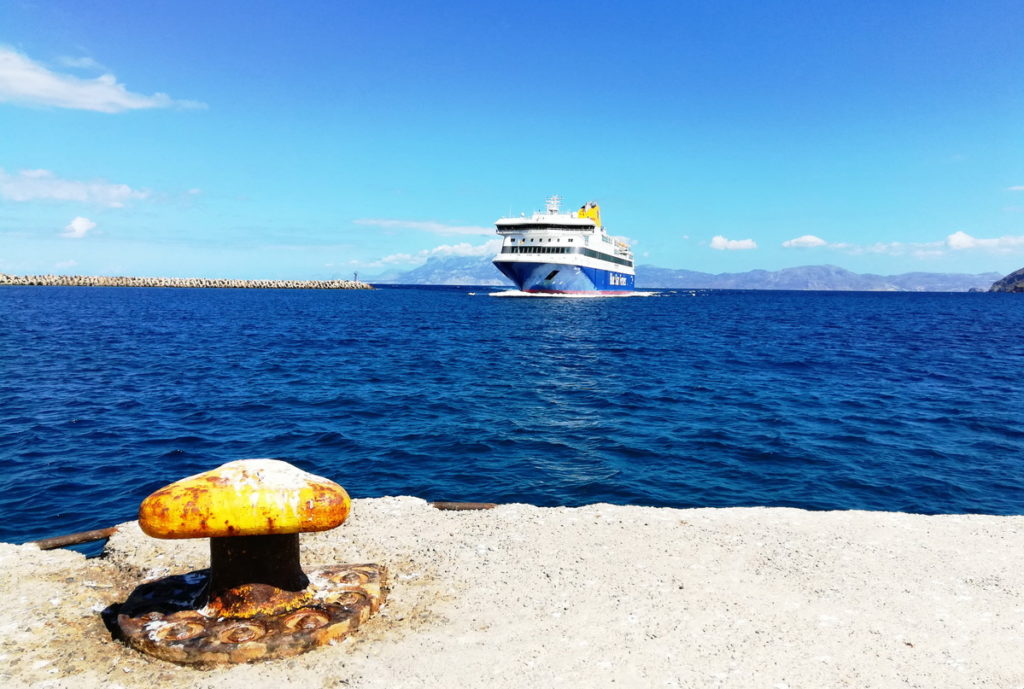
pixel 815 278
pixel 471 270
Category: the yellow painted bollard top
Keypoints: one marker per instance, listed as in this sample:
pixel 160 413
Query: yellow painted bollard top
pixel 248 497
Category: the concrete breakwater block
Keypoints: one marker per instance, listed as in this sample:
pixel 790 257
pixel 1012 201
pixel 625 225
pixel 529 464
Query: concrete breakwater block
pixel 222 283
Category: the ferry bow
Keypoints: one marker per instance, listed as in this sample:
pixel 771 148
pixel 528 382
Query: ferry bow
pixel 564 253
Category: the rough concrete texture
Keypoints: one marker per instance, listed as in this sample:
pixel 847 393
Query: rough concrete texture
pixel 597 596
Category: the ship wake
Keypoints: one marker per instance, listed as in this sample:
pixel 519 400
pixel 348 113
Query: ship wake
pixel 616 295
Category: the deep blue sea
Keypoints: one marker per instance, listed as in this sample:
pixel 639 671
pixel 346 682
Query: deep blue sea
pixel 820 400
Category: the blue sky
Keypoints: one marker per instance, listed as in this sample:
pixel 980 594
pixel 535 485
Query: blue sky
pixel 315 139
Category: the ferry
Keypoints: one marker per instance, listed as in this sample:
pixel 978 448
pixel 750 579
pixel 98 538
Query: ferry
pixel 564 253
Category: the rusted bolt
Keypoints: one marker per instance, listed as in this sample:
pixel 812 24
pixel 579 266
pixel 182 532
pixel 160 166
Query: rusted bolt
pixel 255 601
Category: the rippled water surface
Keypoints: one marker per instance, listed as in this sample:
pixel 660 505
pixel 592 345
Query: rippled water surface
pixel 818 400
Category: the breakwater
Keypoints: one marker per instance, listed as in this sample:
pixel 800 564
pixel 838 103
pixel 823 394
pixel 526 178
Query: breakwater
pixel 105 281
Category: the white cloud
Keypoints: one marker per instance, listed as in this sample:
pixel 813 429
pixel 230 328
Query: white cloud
pixel 425 226
pixel 959 241
pixel 806 241
pixel 32 185
pixel 722 244
pixel 62 265
pixel 1018 187
pixel 26 82
pixel 77 228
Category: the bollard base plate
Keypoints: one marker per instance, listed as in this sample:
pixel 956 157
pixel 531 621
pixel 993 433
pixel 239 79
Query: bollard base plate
pixel 161 618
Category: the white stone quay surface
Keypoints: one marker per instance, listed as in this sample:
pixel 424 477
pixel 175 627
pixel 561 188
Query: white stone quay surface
pixel 592 597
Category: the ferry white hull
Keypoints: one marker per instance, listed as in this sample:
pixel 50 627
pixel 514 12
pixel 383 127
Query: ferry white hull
pixel 560 278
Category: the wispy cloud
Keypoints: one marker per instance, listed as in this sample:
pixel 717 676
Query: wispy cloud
pixel 27 82
pixel 1018 187
pixel 77 228
pixel 44 185
pixel 958 241
pixel 425 226
pixel 722 244
pixel 919 249
pixel 64 265
pixel 81 63
pixel 806 241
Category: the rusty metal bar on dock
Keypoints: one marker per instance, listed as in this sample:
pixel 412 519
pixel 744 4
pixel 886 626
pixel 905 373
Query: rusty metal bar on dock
pixel 101 534
pixel 463 506
pixel 74 538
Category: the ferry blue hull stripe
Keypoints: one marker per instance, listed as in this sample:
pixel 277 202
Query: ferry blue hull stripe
pixel 558 277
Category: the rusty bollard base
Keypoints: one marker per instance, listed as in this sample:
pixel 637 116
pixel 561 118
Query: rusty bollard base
pixel 161 618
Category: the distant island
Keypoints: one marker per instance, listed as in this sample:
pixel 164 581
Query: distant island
pixel 1014 282
pixel 102 281
pixel 455 270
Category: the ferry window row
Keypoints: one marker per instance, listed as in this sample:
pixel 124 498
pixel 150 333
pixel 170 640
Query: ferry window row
pixel 513 239
pixel 536 250
pixel 564 250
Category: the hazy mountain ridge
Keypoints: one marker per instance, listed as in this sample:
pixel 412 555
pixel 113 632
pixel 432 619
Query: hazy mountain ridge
pixel 825 277
pixel 448 270
pixel 473 270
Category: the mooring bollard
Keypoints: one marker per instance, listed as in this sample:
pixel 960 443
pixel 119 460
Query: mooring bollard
pixel 254 602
